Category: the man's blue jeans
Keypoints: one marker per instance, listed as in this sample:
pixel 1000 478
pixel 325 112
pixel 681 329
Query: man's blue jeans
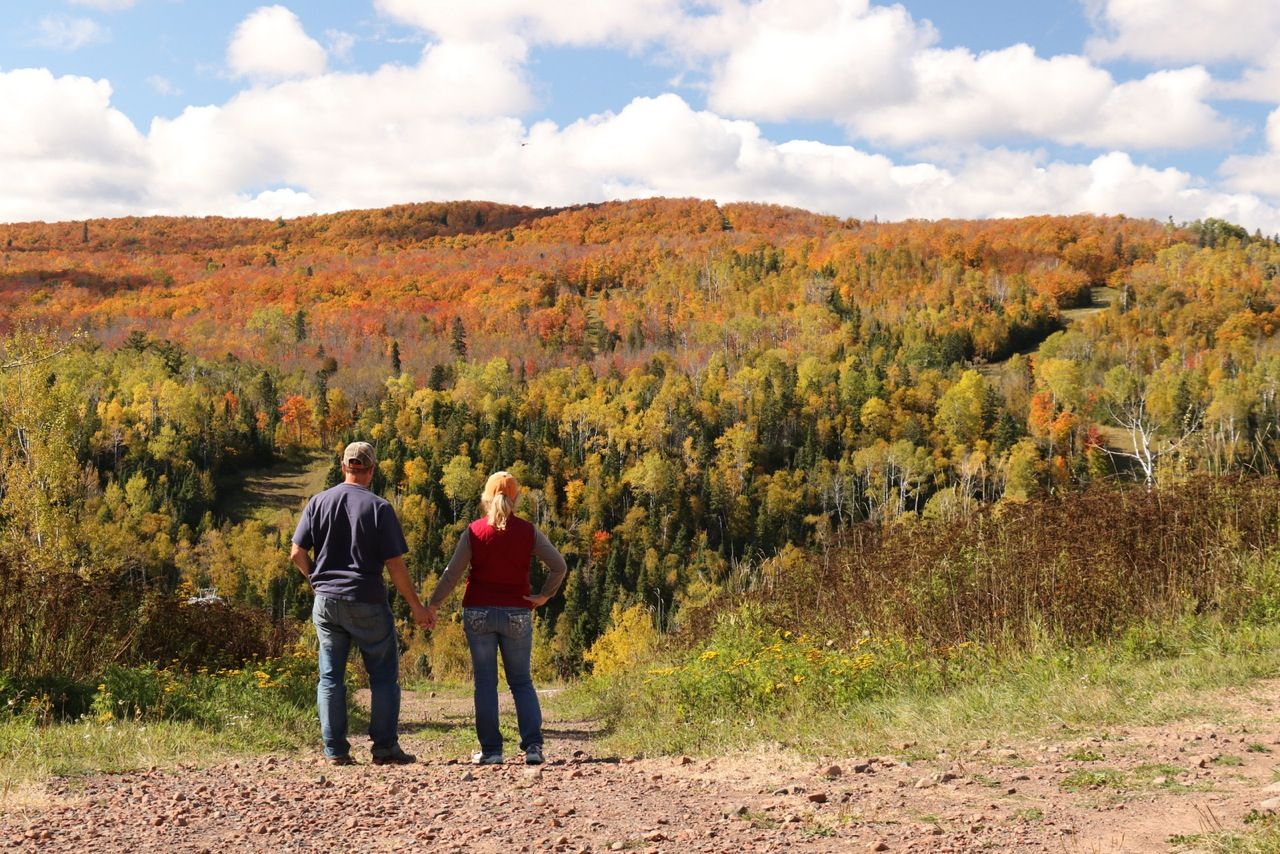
pixel 509 631
pixel 371 627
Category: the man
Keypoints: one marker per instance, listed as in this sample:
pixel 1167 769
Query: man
pixel 354 533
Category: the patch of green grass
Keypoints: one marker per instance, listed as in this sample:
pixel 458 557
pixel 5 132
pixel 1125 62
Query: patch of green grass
pixel 31 752
pixel 1094 779
pixel 1261 837
pixel 679 705
pixel 143 716
pixel 1029 815
pixel 1084 754
pixel 1258 748
pixel 1228 761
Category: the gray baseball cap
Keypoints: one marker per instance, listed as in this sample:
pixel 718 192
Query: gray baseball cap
pixel 359 454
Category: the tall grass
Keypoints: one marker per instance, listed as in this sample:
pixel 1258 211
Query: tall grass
pixel 57 624
pixel 1075 568
pixel 1098 606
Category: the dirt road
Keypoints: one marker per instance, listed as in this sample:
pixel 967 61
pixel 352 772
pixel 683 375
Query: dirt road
pixel 1135 789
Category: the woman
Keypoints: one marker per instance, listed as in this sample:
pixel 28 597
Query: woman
pixel 497 612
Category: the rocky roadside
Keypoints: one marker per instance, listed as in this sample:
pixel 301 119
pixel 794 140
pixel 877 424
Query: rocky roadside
pixel 1138 789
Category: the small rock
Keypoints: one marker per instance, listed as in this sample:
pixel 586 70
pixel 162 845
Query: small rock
pixel 467 776
pixel 655 836
pixel 1160 781
pixel 925 783
pixel 879 845
pixel 862 768
pixel 1270 804
pixel 1011 791
pixel 617 846
pixel 832 771
pixel 685 760
pixel 818 797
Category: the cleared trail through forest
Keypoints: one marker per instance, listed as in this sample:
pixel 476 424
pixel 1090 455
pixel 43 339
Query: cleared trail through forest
pixel 1126 789
pixel 1100 299
pixel 274 492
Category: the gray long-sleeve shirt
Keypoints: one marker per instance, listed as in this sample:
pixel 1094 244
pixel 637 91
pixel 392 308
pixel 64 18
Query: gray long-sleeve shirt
pixel 461 560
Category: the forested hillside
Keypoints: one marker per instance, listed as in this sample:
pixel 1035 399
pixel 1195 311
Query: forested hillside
pixel 686 389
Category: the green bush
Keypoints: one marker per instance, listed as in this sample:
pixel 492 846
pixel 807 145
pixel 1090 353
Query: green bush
pixel 45 698
pixel 273 689
pixel 747 669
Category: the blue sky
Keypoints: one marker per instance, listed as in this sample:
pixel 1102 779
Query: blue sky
pixel 927 108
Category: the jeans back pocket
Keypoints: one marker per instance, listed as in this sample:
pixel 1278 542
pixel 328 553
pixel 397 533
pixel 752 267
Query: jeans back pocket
pixel 520 622
pixel 475 620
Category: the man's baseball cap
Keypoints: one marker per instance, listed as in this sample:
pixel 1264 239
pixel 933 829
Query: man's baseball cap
pixel 359 454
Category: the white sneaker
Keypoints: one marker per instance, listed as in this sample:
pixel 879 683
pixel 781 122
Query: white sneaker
pixel 482 758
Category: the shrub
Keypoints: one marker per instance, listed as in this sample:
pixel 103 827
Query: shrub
pixel 1076 568
pixel 630 639
pixel 449 655
pixel 268 690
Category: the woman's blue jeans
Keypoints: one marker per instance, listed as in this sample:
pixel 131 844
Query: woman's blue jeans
pixel 371 627
pixel 509 631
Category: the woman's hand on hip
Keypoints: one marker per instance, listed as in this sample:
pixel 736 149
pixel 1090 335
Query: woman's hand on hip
pixel 538 600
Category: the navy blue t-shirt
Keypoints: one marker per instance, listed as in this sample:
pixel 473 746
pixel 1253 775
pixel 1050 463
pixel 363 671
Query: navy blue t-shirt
pixel 353 532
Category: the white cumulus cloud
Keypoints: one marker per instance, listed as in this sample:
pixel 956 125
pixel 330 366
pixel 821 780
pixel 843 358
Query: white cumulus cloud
pixel 271 44
pixel 64 148
pixel 300 138
pixel 816 60
pixel 1013 93
pixel 1258 173
pixel 1184 30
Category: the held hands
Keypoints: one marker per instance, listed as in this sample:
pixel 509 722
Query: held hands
pixel 425 617
pixel 538 600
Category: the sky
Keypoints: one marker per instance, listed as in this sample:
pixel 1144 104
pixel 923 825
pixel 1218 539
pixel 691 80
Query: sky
pixel 921 109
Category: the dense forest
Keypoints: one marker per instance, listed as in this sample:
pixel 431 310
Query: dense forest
pixel 686 389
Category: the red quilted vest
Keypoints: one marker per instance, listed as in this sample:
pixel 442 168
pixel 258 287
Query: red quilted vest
pixel 499 565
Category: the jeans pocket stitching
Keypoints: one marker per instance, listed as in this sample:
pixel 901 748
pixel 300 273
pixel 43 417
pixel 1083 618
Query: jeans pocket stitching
pixel 475 619
pixel 521 622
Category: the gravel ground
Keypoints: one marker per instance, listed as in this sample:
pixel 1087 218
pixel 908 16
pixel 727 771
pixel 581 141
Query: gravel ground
pixel 1134 790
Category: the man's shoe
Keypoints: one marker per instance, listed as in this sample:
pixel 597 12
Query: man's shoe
pixel 395 757
pixel 345 759
pixel 482 758
pixel 533 755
